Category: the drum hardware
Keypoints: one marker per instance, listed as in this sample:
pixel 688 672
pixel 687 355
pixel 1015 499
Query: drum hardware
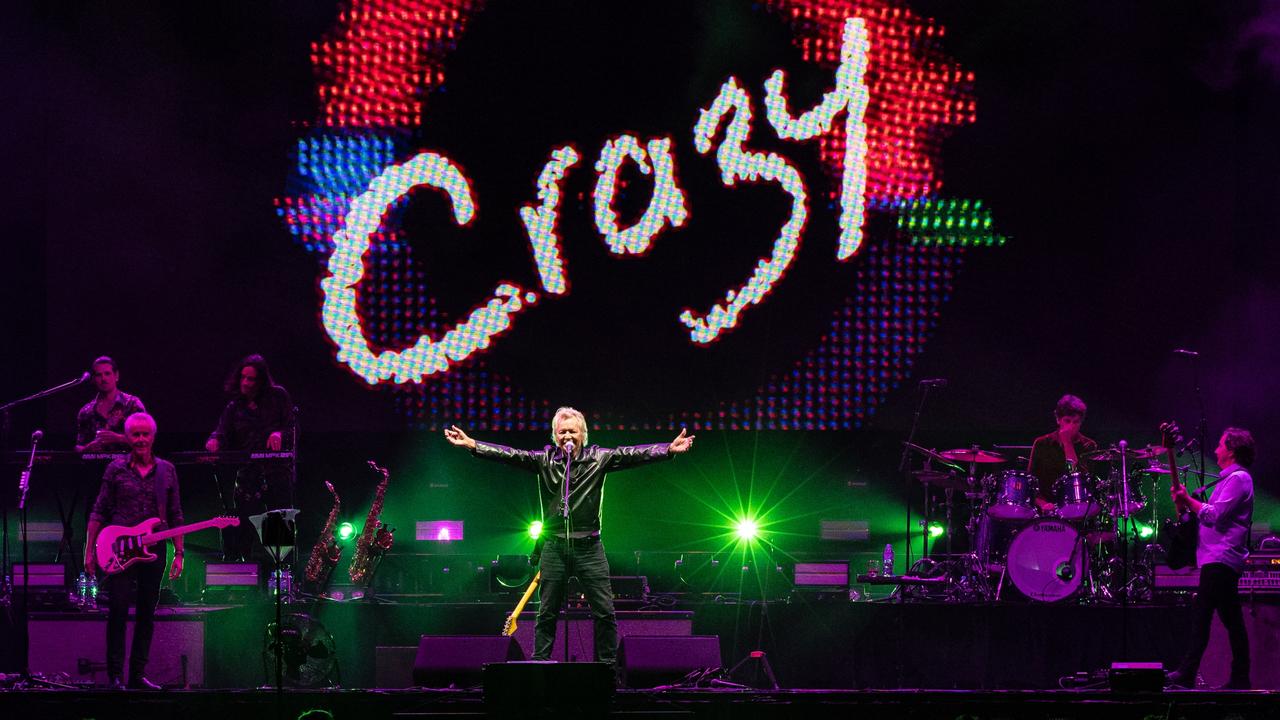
pixel 1124 453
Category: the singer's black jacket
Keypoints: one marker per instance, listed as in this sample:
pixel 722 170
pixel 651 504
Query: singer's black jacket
pixel 586 482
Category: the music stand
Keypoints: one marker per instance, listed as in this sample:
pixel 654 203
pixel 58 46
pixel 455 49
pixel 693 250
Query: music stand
pixel 277 532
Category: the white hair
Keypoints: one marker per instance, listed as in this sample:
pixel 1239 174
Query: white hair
pixel 140 417
pixel 569 413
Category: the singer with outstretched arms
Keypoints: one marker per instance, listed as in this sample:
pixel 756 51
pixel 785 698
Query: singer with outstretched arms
pixel 583 555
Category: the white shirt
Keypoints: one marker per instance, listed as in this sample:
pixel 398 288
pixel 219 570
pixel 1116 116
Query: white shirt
pixel 1225 520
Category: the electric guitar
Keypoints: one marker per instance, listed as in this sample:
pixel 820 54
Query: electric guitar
pixel 509 627
pixel 118 547
pixel 1184 530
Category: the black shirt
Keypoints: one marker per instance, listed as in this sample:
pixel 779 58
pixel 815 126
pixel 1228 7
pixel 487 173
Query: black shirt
pixel 247 428
pixel 586 484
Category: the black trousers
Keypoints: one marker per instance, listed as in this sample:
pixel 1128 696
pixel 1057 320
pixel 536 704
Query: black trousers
pixel 252 490
pixel 1219 590
pixel 139 585
pixel 586 560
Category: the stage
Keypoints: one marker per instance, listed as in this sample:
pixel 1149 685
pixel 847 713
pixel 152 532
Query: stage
pixel 641 705
pixel 809 644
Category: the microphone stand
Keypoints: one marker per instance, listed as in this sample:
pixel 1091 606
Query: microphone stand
pixel 5 424
pixel 568 549
pixel 24 484
pixel 906 475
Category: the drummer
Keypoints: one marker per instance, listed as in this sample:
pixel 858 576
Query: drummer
pixel 1061 451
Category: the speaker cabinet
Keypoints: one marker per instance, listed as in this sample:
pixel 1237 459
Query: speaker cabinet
pixel 458 660
pixel 648 661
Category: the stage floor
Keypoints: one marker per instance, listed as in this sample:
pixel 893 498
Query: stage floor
pixel 638 704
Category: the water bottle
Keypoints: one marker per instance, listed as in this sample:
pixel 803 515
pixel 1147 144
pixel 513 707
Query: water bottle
pixel 887 561
pixel 82 591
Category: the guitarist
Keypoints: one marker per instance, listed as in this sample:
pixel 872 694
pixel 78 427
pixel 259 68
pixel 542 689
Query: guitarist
pixel 1223 546
pixel 134 489
pixel 584 556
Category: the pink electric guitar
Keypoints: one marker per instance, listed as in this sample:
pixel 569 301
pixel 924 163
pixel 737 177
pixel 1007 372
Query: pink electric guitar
pixel 118 547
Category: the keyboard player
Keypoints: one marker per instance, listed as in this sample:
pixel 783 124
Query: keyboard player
pixel 258 418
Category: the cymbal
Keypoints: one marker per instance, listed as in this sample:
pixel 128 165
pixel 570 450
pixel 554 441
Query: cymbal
pixel 972 455
pixel 1112 454
pixel 1153 470
pixel 937 478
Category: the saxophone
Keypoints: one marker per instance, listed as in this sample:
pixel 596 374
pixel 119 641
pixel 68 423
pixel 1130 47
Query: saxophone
pixel 326 552
pixel 375 539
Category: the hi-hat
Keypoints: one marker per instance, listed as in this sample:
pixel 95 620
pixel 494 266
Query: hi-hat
pixel 937 478
pixel 973 455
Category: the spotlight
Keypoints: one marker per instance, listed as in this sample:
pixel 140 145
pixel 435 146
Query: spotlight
pixel 936 530
pixel 345 531
pixel 535 529
pixel 1145 531
pixel 747 529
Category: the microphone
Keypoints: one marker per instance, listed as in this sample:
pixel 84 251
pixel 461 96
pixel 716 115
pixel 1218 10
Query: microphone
pixel 84 378
pixel 934 382
pixel 568 448
pixel 36 436
pixel 1065 571
pixel 1188 353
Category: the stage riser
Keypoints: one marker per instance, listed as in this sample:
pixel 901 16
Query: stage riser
pixel 57 645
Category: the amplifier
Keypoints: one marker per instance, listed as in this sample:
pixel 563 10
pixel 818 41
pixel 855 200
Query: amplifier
pixel 41 575
pixel 1253 580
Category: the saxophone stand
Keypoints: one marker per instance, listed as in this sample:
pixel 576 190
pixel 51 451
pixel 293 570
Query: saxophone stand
pixel 276 530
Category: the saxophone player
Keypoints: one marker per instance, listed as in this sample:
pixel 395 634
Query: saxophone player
pixel 573 548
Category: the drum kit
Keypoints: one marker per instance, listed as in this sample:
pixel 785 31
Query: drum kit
pixel 1075 546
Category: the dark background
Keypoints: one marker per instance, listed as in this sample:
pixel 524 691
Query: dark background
pixel 1129 152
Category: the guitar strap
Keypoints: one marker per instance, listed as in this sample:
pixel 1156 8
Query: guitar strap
pixel 162 495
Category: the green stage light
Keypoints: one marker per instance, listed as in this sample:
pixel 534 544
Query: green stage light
pixel 1145 531
pixel 747 529
pixel 535 529
pixel 936 530
pixel 346 531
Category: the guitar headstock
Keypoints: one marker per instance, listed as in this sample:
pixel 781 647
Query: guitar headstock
pixel 226 521
pixel 1170 435
pixel 509 626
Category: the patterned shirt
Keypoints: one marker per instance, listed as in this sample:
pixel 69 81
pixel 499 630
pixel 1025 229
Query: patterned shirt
pixel 89 422
pixel 127 498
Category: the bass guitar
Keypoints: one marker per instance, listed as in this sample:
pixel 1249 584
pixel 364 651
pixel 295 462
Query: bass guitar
pixel 119 546
pixel 1183 531
pixel 509 627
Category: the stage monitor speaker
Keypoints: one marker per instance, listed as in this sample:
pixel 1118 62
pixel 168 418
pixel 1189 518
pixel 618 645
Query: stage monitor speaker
pixel 1136 677
pixel 542 688
pixel 648 661
pixel 458 660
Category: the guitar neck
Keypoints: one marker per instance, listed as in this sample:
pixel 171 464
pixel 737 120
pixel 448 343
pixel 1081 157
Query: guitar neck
pixel 524 600
pixel 180 530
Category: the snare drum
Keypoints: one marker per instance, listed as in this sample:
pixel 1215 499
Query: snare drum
pixel 1074 495
pixel 1047 560
pixel 1015 494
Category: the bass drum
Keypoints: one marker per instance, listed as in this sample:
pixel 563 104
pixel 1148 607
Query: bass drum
pixel 1047 560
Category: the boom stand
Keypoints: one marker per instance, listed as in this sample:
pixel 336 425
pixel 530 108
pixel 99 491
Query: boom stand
pixel 277 531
